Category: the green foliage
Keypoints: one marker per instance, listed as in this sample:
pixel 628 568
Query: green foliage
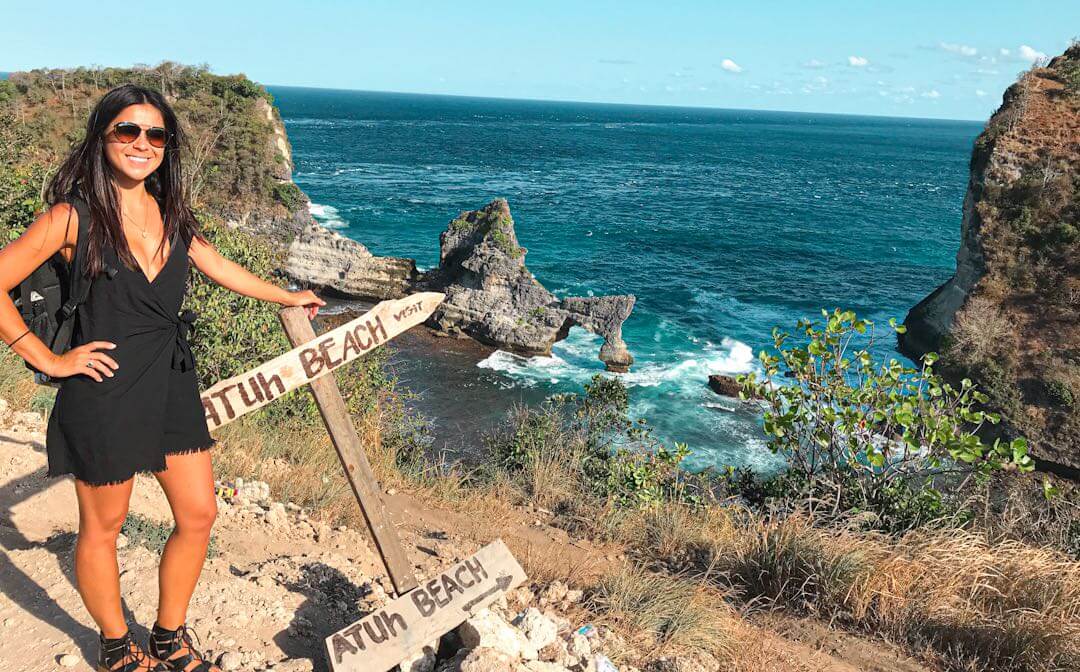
pixel 618 457
pixel 1059 393
pixel 879 436
pixel 289 195
pixel 461 224
pixel 152 535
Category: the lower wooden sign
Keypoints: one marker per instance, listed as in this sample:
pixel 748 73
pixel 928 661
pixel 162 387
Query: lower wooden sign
pixel 404 626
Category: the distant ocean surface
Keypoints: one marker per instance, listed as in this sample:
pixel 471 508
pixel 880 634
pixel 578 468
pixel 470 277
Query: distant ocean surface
pixel 723 223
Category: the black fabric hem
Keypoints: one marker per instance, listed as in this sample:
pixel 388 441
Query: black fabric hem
pixel 98 483
pixel 194 449
pixel 142 470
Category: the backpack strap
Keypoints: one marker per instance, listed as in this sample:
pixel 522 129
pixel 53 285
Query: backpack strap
pixel 78 283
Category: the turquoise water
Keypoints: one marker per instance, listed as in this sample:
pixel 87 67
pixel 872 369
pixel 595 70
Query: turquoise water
pixel 723 223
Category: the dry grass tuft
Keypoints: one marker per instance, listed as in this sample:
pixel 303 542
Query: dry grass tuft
pixel 663 612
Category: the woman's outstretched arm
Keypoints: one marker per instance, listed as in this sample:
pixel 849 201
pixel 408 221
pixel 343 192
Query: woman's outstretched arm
pixel 235 277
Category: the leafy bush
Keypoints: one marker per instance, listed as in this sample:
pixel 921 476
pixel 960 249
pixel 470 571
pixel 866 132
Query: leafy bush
pixel 1059 393
pixel 859 435
pixel 289 195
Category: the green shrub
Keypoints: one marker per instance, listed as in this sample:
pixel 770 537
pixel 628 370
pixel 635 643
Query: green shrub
pixel 878 436
pixel 289 195
pixel 1059 393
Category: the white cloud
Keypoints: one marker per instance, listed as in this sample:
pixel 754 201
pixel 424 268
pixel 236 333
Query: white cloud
pixel 858 61
pixel 980 93
pixel 813 64
pixel 1004 52
pixel 1030 54
pixel 730 65
pixel 932 93
pixel 961 49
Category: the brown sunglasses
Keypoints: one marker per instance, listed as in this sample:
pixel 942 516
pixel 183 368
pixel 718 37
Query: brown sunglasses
pixel 128 132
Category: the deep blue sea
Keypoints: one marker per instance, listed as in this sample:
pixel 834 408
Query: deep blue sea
pixel 723 223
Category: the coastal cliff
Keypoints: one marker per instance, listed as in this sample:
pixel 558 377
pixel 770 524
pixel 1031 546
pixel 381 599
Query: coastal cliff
pixel 1009 318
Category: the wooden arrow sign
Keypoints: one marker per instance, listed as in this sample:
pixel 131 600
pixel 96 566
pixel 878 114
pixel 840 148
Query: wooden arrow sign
pixel 404 626
pixel 228 399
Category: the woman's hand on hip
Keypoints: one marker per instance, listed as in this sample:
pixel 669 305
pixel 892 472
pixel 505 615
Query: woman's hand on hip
pixel 86 360
pixel 307 300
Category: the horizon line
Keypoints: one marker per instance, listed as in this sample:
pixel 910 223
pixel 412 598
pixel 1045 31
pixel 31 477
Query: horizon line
pixel 621 104
pixel 591 102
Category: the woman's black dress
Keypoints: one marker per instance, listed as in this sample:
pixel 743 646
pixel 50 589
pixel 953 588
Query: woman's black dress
pixel 105 432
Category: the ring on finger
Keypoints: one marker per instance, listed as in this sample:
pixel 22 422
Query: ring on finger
pixel 90 364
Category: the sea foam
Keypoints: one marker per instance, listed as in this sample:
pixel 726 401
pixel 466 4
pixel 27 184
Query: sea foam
pixel 327 215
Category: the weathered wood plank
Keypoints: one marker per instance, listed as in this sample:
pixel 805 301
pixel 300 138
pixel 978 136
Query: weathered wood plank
pixel 404 626
pixel 229 399
pixel 353 457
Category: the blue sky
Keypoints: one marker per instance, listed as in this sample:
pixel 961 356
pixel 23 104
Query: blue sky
pixel 946 59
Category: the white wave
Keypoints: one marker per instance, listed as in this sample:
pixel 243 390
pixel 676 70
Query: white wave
pixel 327 215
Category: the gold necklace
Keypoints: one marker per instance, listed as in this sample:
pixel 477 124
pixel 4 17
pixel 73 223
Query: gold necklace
pixel 142 229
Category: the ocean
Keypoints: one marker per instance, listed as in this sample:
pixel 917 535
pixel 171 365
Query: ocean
pixel 723 223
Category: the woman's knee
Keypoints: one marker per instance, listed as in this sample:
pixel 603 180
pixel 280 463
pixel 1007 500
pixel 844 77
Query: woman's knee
pixel 103 528
pixel 197 519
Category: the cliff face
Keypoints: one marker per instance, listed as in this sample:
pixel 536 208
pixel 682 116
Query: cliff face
pixel 326 260
pixel 1010 316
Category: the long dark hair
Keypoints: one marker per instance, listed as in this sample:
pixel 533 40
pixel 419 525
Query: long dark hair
pixel 88 168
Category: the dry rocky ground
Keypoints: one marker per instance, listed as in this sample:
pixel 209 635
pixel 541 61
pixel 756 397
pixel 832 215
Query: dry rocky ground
pixel 279 581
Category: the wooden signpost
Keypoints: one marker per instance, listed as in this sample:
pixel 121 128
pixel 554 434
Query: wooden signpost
pixel 404 626
pixel 421 613
pixel 228 399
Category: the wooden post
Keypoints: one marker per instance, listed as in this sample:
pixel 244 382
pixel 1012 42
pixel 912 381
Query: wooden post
pixel 353 458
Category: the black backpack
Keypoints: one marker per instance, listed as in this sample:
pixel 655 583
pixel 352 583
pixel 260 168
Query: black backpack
pixel 49 298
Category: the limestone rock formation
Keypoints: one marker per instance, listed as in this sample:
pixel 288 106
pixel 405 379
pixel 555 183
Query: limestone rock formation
pixel 492 297
pixel 490 294
pixel 326 260
pixel 1008 317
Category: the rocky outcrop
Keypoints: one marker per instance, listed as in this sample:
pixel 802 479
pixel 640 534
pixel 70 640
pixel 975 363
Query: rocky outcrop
pixel 326 260
pixel 490 294
pixel 1008 317
pixel 492 297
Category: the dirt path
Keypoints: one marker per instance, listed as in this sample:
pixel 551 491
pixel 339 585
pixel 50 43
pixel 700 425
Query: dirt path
pixel 274 588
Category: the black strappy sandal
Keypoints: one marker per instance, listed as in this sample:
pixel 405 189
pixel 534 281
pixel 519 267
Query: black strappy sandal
pixel 125 655
pixel 176 652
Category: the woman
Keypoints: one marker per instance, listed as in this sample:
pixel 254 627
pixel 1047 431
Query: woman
pixel 128 400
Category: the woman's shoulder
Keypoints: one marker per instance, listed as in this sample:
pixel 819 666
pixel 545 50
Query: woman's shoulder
pixel 66 215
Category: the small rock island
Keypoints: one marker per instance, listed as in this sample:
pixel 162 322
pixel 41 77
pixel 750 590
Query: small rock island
pixel 490 294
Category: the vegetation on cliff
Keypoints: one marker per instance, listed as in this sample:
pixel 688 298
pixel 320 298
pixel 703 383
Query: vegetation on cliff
pixel 1015 330
pixel 234 164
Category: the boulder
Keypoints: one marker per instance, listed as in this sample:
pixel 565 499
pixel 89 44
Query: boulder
pixel 488 630
pixel 488 660
pixel 321 259
pixel 725 386
pixel 538 628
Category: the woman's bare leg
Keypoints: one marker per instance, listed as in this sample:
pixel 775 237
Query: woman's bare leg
pixel 102 510
pixel 188 482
